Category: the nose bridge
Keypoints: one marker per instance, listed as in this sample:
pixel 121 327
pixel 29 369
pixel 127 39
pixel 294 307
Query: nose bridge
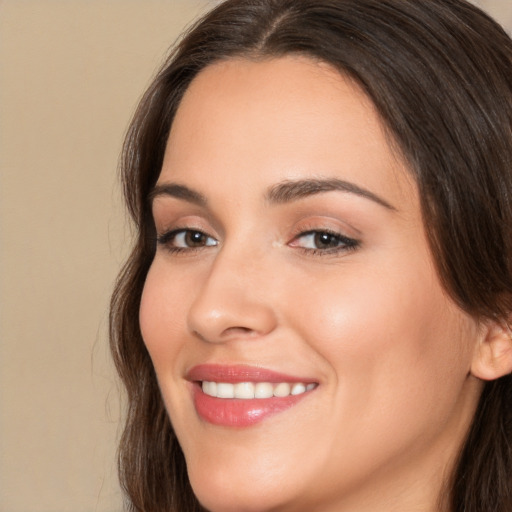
pixel 234 300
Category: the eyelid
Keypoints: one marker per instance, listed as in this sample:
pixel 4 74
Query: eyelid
pixel 346 235
pixel 325 223
pixel 167 243
pixel 345 243
pixel 170 219
pixel 173 233
pixel 166 238
pixel 171 213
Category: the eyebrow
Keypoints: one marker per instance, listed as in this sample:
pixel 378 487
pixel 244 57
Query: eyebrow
pixel 179 192
pixel 284 192
pixel 292 190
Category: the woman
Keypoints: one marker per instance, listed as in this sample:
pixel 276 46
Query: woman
pixel 315 314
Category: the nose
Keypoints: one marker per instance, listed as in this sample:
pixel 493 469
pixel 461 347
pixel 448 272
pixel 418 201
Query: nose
pixel 234 301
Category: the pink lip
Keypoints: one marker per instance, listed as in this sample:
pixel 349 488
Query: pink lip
pixel 235 412
pixel 240 373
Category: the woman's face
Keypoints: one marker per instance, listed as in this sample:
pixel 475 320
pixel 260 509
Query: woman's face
pixel 292 261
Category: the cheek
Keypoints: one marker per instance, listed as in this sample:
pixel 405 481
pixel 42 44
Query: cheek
pixel 394 341
pixel 160 316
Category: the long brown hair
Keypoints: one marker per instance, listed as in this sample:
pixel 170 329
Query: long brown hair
pixel 440 74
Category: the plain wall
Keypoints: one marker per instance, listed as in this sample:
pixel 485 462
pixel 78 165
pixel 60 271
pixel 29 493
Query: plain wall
pixel 70 75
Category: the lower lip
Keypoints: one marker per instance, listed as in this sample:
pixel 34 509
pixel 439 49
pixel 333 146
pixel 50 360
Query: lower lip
pixel 232 412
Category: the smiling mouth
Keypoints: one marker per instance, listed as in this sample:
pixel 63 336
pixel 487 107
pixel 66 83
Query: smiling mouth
pixel 242 395
pixel 255 390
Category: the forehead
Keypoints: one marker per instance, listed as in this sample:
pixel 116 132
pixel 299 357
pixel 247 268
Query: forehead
pixel 278 119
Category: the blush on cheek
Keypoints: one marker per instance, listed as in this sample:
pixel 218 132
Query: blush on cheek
pixel 154 315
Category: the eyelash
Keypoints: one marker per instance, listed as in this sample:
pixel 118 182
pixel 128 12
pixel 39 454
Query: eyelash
pixel 166 239
pixel 346 244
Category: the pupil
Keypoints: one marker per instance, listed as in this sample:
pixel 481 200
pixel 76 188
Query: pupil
pixel 194 238
pixel 325 240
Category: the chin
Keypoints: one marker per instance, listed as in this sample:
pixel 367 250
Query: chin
pixel 221 491
pixel 242 500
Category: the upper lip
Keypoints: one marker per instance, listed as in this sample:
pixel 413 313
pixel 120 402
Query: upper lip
pixel 240 373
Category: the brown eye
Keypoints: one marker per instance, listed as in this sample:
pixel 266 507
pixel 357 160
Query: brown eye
pixel 185 239
pixel 195 239
pixel 324 241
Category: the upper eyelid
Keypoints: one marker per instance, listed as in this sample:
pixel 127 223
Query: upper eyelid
pixel 211 224
pixel 331 232
pixel 329 224
pixel 347 245
pixel 176 231
pixel 171 220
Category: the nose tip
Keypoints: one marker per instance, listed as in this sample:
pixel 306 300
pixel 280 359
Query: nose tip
pixel 226 309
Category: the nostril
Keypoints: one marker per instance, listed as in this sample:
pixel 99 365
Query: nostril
pixel 240 331
pixel 227 334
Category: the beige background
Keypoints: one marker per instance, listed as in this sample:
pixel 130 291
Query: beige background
pixel 70 75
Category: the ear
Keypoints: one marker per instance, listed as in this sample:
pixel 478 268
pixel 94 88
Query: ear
pixel 493 353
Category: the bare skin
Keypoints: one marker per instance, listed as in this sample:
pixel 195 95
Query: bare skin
pixel 334 283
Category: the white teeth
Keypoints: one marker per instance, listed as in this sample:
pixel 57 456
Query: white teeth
pixel 264 390
pixel 244 390
pixel 298 388
pixel 209 388
pixel 282 389
pixel 225 390
pixel 250 390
